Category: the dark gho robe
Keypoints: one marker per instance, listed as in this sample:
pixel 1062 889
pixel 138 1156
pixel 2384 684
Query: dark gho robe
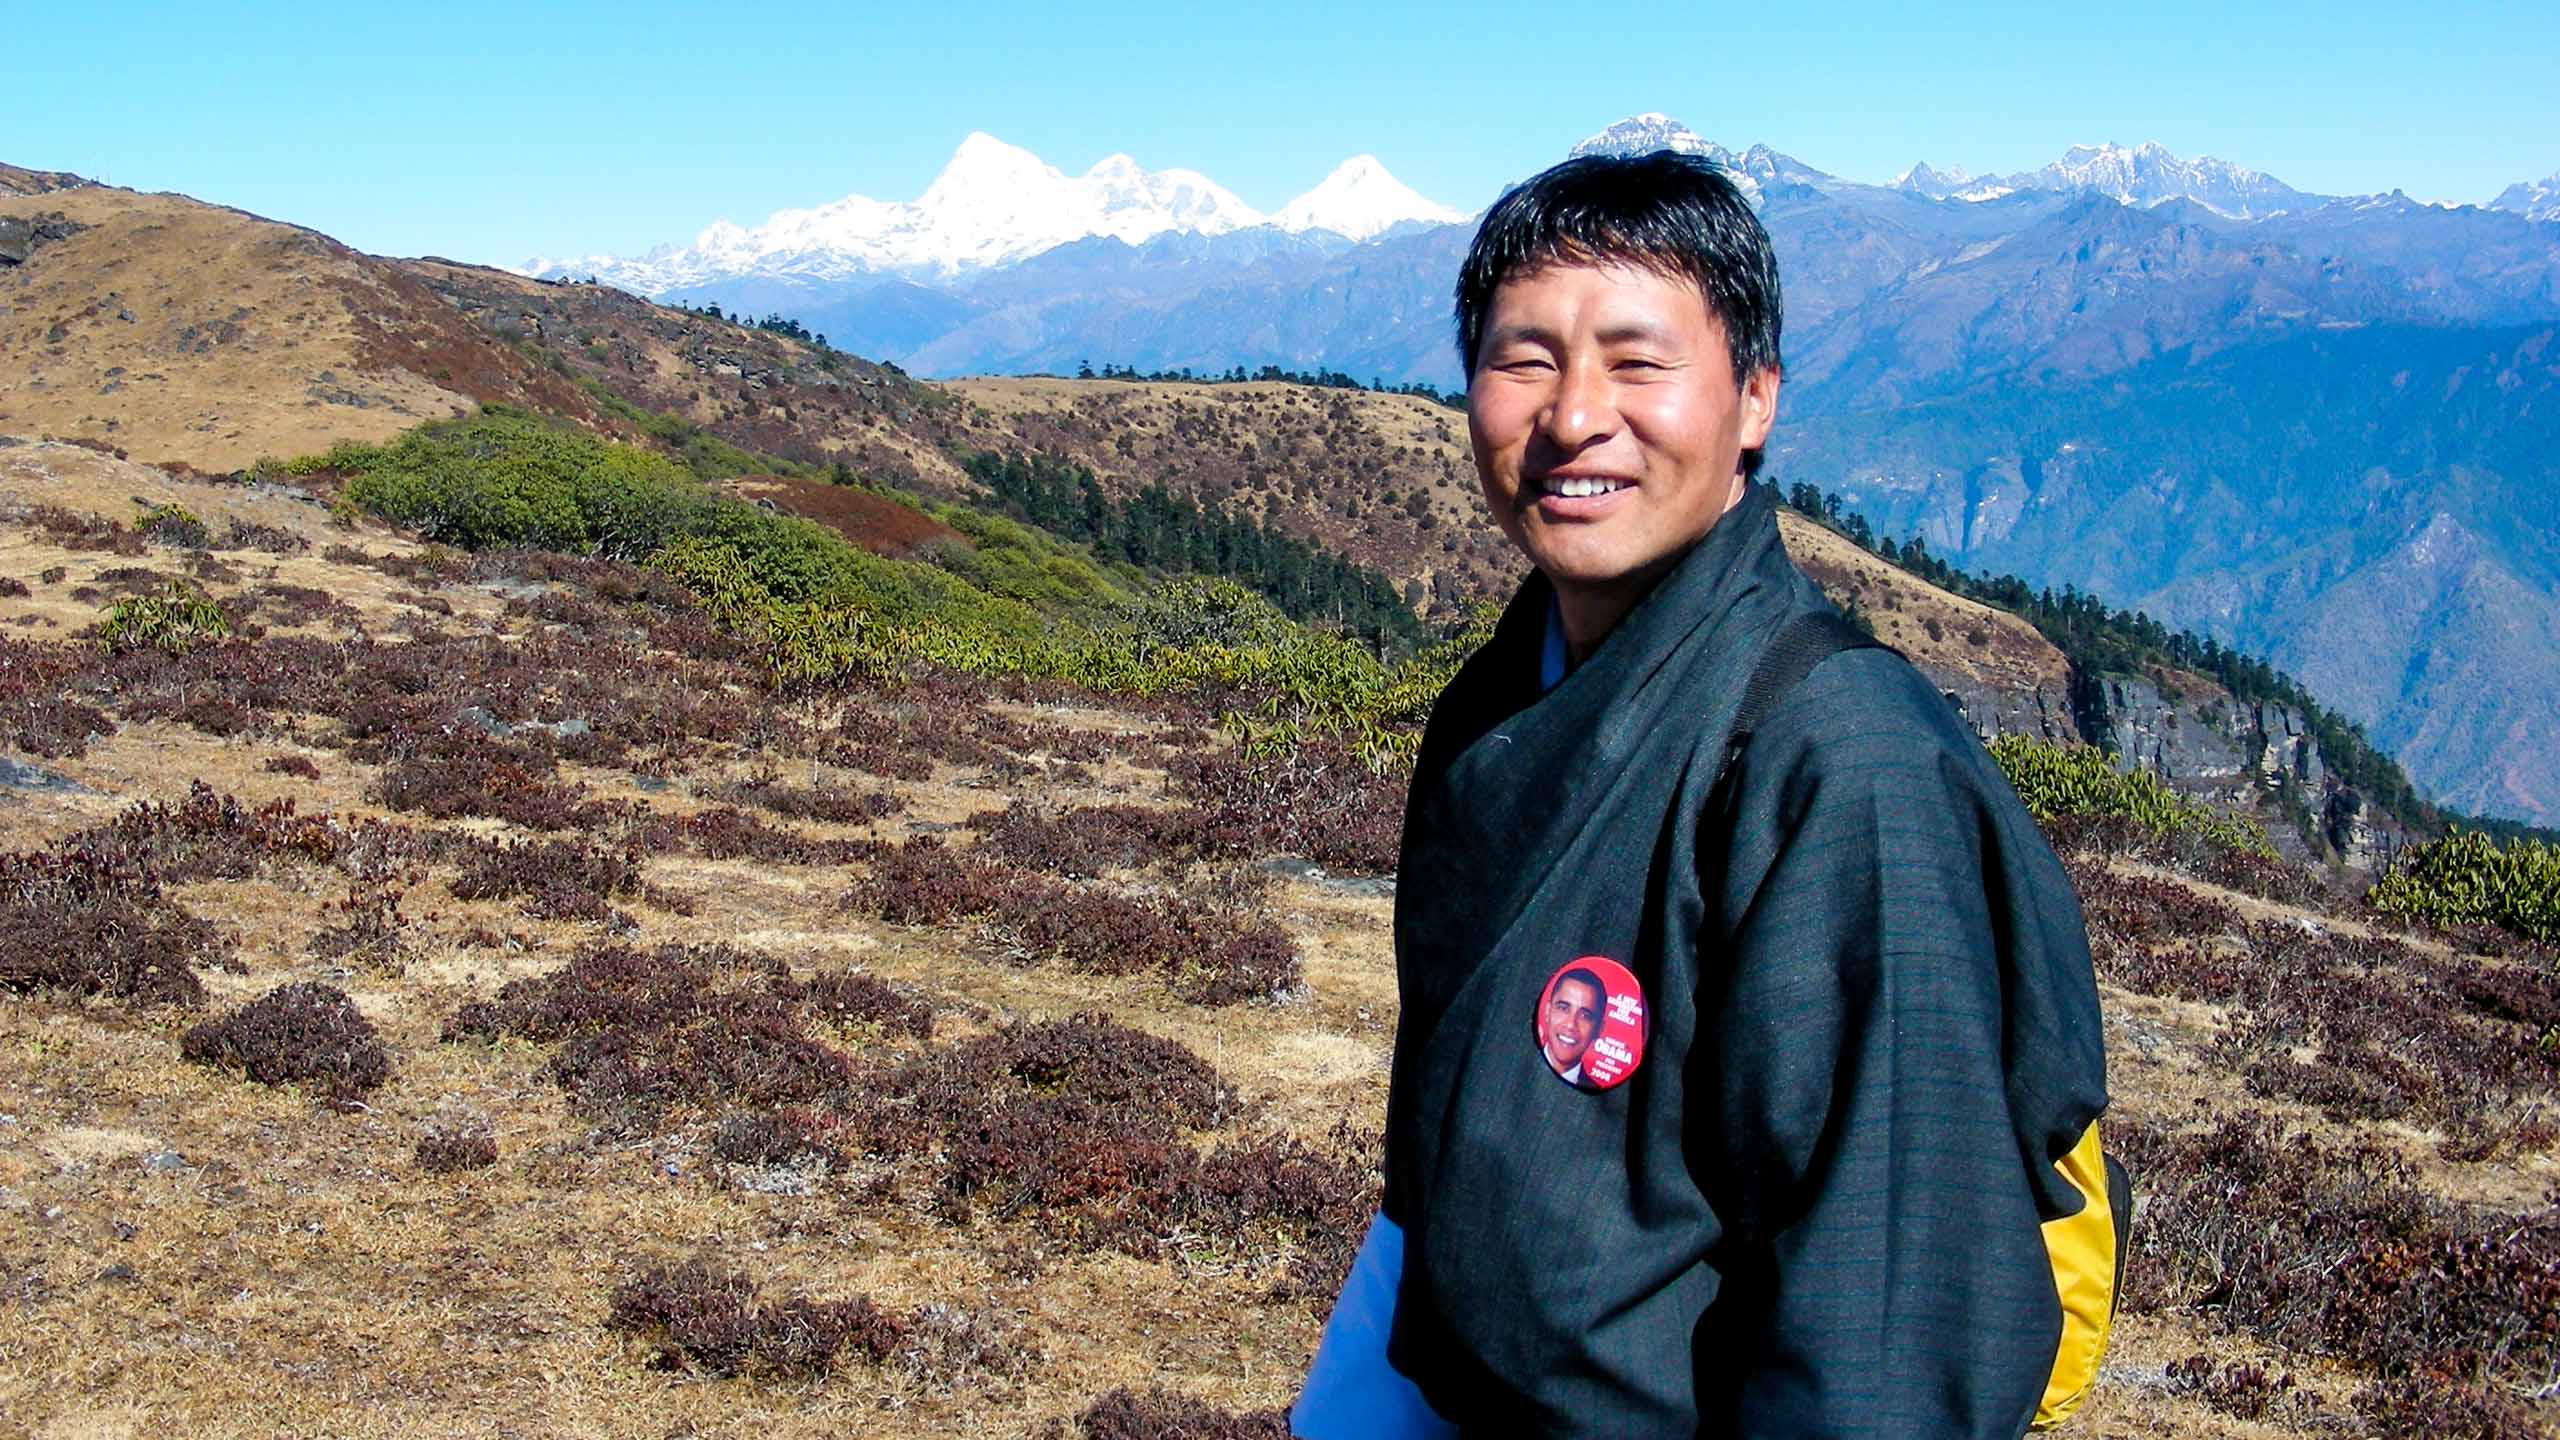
pixel 1813 1209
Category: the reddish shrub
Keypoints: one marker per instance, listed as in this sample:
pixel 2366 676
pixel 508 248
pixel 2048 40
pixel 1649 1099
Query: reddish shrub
pixel 2237 1389
pixel 778 1138
pixel 557 879
pixel 706 1318
pixel 1214 954
pixel 840 997
pixel 830 803
pixel 1317 800
pixel 496 785
pixel 298 766
pixel 74 531
pixel 643 1031
pixel 301 1032
pixel 145 950
pixel 2339 1251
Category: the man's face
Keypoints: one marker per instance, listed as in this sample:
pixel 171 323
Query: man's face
pixel 1573 1021
pixel 1607 427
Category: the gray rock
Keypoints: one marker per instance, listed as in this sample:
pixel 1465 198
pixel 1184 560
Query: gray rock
pixel 484 722
pixel 164 1162
pixel 16 774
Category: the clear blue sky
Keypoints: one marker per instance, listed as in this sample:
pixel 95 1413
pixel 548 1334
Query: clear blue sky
pixel 493 133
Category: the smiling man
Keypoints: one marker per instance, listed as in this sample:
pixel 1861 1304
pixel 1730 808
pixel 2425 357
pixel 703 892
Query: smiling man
pixel 1847 1067
pixel 1571 1021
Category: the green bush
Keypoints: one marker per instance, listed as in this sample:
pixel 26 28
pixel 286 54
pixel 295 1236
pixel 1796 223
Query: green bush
pixel 174 621
pixel 2467 878
pixel 821 611
pixel 503 477
pixel 2062 781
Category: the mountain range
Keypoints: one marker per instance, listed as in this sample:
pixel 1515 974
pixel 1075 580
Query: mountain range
pixel 995 204
pixel 2178 382
pixel 2321 432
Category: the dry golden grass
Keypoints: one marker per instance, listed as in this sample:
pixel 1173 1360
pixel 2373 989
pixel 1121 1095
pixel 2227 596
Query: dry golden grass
pixel 180 331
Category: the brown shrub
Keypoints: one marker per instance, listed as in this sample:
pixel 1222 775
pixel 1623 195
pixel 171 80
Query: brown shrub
pixel 2339 1251
pixel 144 950
pixel 1317 800
pixel 556 879
pixel 300 1032
pixel 1213 953
pixel 1125 1414
pixel 839 997
pixel 784 1137
pixel 447 1151
pixel 644 1031
pixel 706 1318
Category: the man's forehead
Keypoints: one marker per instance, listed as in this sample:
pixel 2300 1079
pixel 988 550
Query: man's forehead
pixel 1631 292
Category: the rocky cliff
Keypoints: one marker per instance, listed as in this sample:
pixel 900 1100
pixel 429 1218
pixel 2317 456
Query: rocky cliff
pixel 2206 742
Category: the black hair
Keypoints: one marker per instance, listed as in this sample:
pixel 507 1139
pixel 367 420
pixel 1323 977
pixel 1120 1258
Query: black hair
pixel 1680 215
pixel 1598 990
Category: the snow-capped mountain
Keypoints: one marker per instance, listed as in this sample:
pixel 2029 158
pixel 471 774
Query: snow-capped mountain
pixel 994 204
pixel 2532 199
pixel 2142 176
pixel 1359 201
pixel 991 204
pixel 1752 169
pixel 1952 183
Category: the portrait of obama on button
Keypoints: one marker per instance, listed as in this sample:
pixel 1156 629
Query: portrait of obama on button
pixel 1570 1020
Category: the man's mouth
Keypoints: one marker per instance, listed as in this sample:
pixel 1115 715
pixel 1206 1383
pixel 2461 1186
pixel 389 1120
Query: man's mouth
pixel 1579 487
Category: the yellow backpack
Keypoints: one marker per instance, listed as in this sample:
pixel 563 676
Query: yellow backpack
pixel 2086 1251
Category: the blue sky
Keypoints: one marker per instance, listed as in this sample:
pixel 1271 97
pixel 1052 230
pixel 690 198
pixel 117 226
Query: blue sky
pixel 493 133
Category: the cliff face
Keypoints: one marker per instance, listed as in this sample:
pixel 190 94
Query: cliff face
pixel 2194 734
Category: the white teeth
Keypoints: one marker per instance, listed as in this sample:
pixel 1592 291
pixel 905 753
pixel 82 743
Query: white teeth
pixel 1578 489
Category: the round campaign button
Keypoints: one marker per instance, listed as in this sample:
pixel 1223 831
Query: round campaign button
pixel 1591 1023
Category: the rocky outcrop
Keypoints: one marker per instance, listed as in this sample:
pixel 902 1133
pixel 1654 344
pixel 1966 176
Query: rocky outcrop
pixel 22 235
pixel 1995 710
pixel 2258 754
pixel 2192 741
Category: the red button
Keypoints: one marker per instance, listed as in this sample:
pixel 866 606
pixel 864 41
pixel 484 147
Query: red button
pixel 1591 1023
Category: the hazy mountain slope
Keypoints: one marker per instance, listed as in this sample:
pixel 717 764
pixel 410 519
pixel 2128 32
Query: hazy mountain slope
pixel 2280 496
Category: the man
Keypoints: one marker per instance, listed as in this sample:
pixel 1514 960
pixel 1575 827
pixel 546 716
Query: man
pixel 1861 1031
pixel 1571 1020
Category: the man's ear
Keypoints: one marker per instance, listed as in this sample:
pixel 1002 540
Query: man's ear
pixel 1759 406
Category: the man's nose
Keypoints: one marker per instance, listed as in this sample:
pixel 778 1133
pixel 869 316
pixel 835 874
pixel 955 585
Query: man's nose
pixel 1580 411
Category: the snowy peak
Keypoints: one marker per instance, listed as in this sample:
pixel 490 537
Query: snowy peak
pixel 992 204
pixel 2532 199
pixel 1646 133
pixel 2143 175
pixel 1361 201
pixel 2148 175
pixel 1953 183
pixel 1653 130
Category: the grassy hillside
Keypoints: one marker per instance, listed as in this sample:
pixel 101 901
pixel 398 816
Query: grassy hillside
pixel 1006 1052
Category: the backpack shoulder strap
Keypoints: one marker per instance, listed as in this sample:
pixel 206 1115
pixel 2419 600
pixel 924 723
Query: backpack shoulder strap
pixel 1800 644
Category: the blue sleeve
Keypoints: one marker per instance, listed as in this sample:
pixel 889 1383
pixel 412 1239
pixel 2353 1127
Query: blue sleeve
pixel 1352 1392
